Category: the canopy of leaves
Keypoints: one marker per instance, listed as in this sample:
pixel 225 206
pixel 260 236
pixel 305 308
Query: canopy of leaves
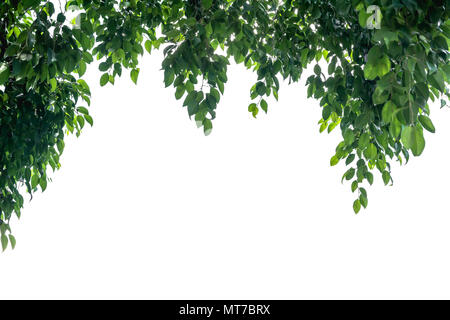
pixel 376 88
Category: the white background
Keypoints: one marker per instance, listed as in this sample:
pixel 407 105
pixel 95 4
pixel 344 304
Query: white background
pixel 146 206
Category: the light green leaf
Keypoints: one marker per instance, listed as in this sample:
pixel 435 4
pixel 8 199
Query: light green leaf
pixel 134 74
pixel 53 85
pixel 43 183
pixel 12 240
pixel 354 185
pixel 362 17
pixel 207 127
pixel 395 127
pixel 4 241
pixel 386 177
pixel 371 152
pixel 378 64
pixel 334 161
pixel 34 180
pixel 81 68
pixel 364 141
pixel 412 138
pixel 388 112
pixel 357 206
pixel 380 96
pixel 148 46
pixel 349 137
pixel 253 109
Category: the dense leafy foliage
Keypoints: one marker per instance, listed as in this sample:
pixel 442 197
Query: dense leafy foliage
pixel 376 87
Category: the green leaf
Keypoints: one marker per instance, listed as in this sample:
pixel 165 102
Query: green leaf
pixel 317 70
pixel 260 88
pixel 12 50
pixel 179 92
pixel 209 30
pixel 427 123
pixel 349 174
pixel 326 112
pixel 350 159
pixel 207 127
pixel 371 152
pixel 253 109
pixel 349 137
pixel 53 84
pixel 104 66
pixel 4 241
pixel 332 66
pixel 385 35
pixel 380 96
pixel 12 240
pixel 30 3
pixel 334 161
pixel 34 180
pixel 4 73
pixel 369 176
pixel 43 183
pixel 148 46
pixel 356 206
pixel 363 200
pixel 89 119
pixel 437 80
pixel 362 17
pixel 378 64
pixel 354 185
pixel 61 18
pixel 169 76
pixel 190 98
pixel 81 68
pixel 386 177
pixel 364 141
pixel 395 127
pixel 80 121
pixel 214 44
pixel 207 3
pixel 264 105
pixel 412 138
pixel 134 74
pixel 388 112
pixel 83 110
pixel 60 145
pixel 104 79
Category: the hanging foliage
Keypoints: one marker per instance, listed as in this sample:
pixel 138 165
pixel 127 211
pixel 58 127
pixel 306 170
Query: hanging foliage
pixel 386 59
